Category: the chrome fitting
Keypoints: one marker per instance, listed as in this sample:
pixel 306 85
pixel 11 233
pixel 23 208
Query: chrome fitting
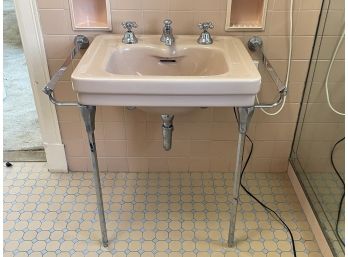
pixel 167 130
pixel 81 41
pixel 205 37
pixel 167 33
pixel 129 36
pixel 255 43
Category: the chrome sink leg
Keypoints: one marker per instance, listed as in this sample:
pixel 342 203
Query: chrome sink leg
pixel 167 130
pixel 245 114
pixel 88 115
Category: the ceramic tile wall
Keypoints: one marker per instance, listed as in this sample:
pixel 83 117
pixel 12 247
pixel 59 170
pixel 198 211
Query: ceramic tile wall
pixel 322 128
pixel 205 139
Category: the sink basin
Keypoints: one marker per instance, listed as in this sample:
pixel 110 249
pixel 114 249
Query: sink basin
pixel 188 61
pixel 152 74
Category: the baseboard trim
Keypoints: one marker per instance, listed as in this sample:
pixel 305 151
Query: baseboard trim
pixel 311 218
pixel 25 156
pixel 56 158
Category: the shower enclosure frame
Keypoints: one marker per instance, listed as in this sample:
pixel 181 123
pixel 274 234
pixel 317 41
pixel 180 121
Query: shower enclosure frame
pixel 302 178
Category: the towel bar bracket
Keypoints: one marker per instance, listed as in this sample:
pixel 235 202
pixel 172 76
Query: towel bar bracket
pixel 80 42
pixel 255 44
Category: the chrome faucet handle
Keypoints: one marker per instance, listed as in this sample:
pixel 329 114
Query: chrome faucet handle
pixel 129 36
pixel 205 37
pixel 129 25
pixel 205 26
pixel 167 22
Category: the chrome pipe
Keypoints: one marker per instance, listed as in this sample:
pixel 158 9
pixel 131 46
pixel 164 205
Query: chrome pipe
pixel 255 44
pixel 80 42
pixel 280 100
pixel 57 103
pixel 167 130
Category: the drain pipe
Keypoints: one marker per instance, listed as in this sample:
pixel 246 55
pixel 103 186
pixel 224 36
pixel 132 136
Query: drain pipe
pixel 167 130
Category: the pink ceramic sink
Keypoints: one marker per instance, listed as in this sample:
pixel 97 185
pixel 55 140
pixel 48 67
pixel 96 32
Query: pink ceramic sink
pixel 153 61
pixel 152 74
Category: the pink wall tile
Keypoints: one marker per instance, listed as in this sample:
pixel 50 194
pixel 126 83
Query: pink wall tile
pixel 50 26
pixel 178 164
pixel 114 130
pixel 199 164
pixel 126 5
pixel 138 164
pixel 117 164
pixel 158 164
pixel 53 4
pixel 115 148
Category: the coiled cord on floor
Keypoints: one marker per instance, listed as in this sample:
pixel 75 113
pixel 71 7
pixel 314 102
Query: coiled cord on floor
pixel 343 195
pixel 279 219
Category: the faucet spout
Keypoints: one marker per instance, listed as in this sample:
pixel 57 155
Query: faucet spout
pixel 167 34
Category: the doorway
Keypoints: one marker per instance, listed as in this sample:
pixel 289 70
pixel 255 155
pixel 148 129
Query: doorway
pixel 22 138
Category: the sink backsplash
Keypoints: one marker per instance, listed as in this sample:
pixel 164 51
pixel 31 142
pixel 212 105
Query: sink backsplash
pixel 204 140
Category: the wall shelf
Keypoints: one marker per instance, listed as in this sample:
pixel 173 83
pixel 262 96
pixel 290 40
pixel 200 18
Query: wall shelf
pixel 90 15
pixel 246 15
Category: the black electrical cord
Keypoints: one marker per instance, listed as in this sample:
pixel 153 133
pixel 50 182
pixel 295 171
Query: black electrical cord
pixel 338 219
pixel 279 219
pixel 343 195
pixel 332 162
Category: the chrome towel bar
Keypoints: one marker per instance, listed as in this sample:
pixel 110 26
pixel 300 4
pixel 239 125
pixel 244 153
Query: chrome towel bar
pixel 255 45
pixel 80 42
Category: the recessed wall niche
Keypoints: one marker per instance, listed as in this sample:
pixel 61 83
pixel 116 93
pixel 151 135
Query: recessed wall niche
pixel 246 15
pixel 90 15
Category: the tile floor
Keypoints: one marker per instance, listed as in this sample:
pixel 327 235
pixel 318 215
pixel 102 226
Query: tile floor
pixel 328 190
pixel 148 214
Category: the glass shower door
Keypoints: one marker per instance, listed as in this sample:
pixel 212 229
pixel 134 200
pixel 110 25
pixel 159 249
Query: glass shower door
pixel 318 150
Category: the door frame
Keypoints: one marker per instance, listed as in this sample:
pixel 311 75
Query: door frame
pixel 34 51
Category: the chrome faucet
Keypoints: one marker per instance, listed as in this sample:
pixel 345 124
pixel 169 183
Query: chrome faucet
pixel 129 37
pixel 167 36
pixel 205 37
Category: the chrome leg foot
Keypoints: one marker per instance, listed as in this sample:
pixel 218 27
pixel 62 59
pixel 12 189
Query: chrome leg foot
pixel 88 115
pixel 245 114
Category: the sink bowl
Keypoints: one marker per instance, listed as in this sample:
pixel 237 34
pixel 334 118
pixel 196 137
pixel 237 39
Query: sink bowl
pixel 150 74
pixel 151 60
